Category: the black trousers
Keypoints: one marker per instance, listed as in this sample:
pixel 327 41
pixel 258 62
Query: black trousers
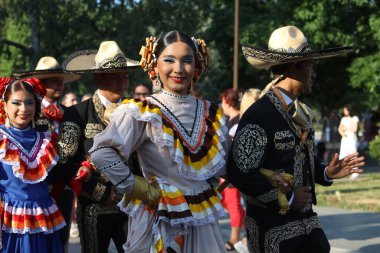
pixel 111 227
pixel 98 225
pixel 295 232
pixel 315 242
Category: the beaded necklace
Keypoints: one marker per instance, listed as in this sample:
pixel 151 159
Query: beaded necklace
pixel 174 95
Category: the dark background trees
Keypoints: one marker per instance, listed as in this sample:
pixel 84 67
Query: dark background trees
pixel 30 29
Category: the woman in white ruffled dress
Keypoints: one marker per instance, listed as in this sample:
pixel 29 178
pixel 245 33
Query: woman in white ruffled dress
pixel 181 142
pixel 348 128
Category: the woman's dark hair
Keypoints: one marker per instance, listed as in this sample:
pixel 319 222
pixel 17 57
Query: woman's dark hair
pixel 349 109
pixel 172 37
pixel 176 36
pixel 23 86
pixel 232 98
pixel 149 87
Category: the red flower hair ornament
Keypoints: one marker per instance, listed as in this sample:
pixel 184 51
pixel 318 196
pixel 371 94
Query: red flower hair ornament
pixel 4 82
pixel 36 84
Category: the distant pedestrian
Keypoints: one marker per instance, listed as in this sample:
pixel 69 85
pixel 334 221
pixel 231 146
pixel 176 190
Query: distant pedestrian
pixel 348 129
pixel 141 91
pixel 69 99
pixel 231 196
pixel 249 97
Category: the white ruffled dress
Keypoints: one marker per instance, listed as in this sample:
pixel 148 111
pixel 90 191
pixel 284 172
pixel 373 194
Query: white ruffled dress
pixel 181 143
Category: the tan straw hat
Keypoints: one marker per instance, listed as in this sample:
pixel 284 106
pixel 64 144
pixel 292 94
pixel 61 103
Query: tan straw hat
pixel 287 44
pixel 108 59
pixel 47 67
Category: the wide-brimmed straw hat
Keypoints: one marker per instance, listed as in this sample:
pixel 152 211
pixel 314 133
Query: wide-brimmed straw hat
pixel 108 59
pixel 287 44
pixel 47 67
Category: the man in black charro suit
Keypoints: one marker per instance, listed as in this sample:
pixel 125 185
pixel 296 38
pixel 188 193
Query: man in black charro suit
pixel 99 218
pixel 272 158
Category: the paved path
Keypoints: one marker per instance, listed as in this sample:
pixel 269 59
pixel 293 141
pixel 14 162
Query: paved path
pixel 351 231
pixel 354 232
pixel 347 231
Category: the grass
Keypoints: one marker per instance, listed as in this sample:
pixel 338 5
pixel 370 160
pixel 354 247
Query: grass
pixel 362 193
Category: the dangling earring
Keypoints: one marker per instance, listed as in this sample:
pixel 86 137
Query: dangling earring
pixel 7 123
pixel 157 84
pixel 33 123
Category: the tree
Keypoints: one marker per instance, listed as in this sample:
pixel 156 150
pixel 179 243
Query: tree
pixel 30 29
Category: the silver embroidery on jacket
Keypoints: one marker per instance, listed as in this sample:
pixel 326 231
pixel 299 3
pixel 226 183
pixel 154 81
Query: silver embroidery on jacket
pixel 284 140
pixel 249 146
pixel 276 235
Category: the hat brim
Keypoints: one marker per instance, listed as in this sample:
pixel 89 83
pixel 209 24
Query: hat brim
pixel 43 74
pixel 83 62
pixel 264 58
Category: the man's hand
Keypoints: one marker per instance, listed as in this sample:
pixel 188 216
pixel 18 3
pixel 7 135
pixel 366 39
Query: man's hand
pixel 278 181
pixel 342 168
pixel 302 197
pixel 83 174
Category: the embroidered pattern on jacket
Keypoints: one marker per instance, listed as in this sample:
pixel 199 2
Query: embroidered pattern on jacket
pixel 298 164
pixel 92 129
pixel 280 107
pixel 99 107
pixel 91 222
pixel 249 146
pixel 284 140
pixel 99 191
pixel 42 121
pixel 253 231
pixel 267 197
pixel 69 138
pixel 276 235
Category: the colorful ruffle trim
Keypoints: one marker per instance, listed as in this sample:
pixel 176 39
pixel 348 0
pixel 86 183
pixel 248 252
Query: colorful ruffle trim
pixel 30 168
pixel 197 163
pixel 30 217
pixel 178 211
pixel 178 208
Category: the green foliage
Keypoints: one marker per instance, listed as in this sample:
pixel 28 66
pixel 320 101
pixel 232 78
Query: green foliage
pixel 374 148
pixel 57 28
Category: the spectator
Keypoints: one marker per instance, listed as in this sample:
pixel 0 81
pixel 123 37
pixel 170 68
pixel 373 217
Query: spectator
pixel 141 91
pixel 231 196
pixel 249 97
pixel 348 129
pixel 69 99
